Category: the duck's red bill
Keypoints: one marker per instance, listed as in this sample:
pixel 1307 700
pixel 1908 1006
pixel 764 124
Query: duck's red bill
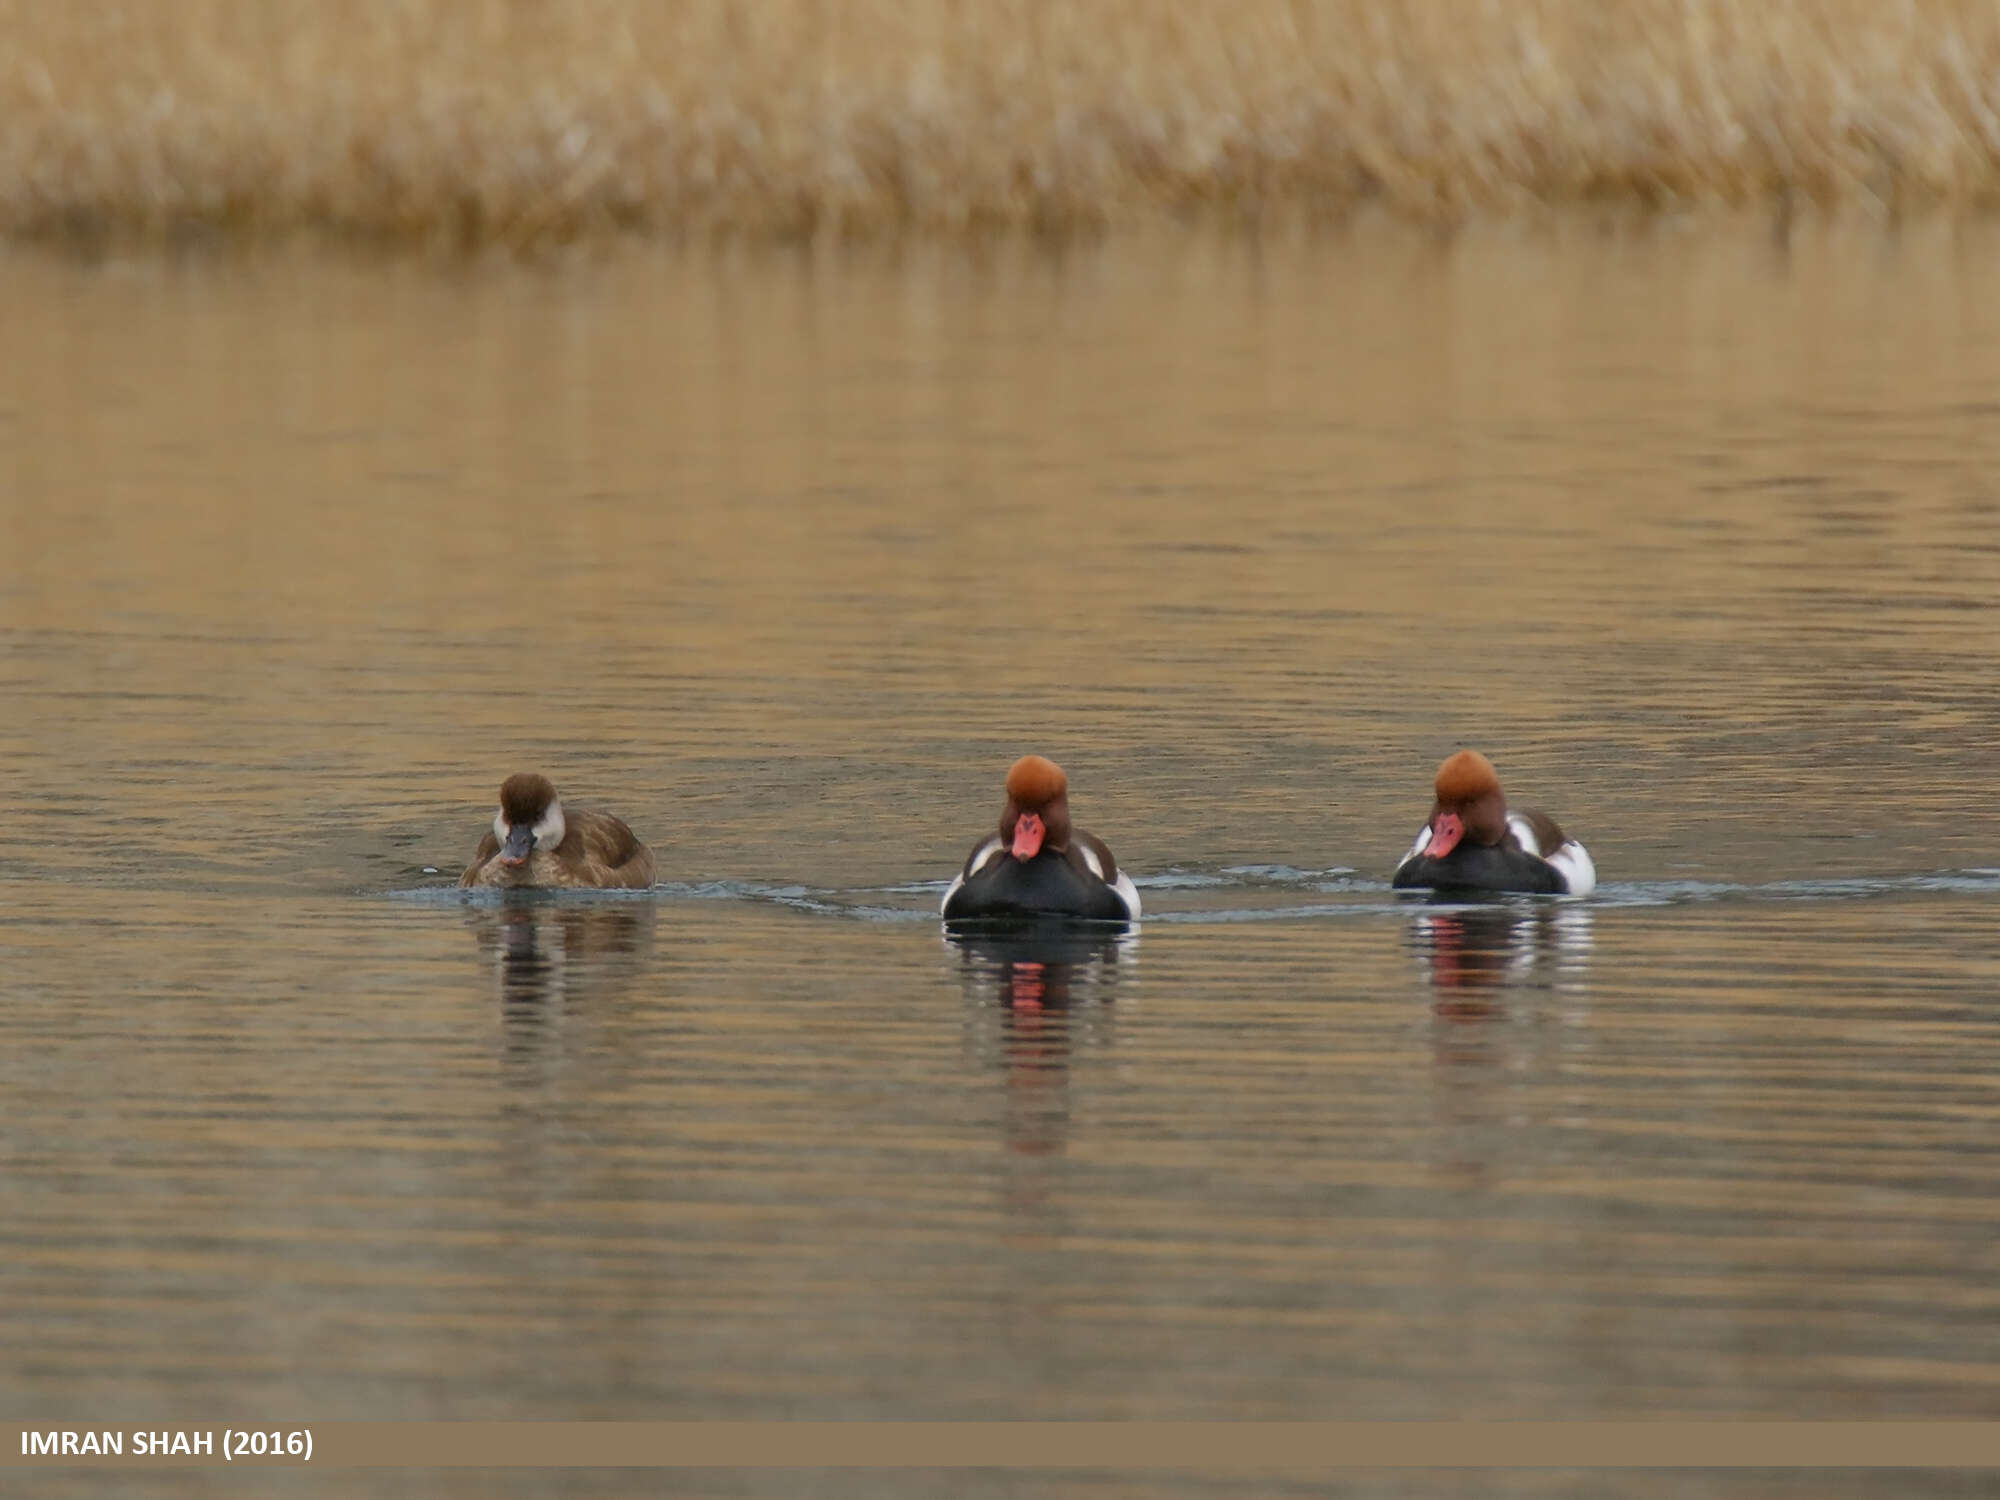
pixel 1029 984
pixel 1446 831
pixel 1028 835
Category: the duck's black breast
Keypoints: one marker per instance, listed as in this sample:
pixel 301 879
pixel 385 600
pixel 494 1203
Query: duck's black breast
pixel 1481 867
pixel 1050 884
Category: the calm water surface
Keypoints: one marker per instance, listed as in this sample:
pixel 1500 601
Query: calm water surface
pixel 784 557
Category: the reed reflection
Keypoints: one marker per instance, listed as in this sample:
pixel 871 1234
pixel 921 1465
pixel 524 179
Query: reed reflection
pixel 1041 991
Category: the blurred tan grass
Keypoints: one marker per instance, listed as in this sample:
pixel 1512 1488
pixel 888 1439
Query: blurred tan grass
pixel 545 120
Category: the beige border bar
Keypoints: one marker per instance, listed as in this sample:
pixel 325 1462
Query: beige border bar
pixel 1108 1445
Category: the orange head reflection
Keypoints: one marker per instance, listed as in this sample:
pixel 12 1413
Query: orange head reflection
pixel 1474 954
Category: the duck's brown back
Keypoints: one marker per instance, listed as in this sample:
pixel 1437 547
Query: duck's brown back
pixel 601 850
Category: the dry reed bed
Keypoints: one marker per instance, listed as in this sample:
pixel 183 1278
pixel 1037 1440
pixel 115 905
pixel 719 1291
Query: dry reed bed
pixel 536 120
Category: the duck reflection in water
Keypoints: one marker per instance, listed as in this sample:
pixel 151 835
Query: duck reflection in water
pixel 1474 953
pixel 552 953
pixel 1042 988
pixel 1510 984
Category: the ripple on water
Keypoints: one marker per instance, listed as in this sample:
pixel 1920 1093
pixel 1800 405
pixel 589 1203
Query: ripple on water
pixel 1371 897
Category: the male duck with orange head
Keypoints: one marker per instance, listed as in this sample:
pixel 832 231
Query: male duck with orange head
pixel 1038 865
pixel 1473 843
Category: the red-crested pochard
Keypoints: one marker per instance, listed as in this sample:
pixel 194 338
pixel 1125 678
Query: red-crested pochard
pixel 1038 864
pixel 1473 842
pixel 534 842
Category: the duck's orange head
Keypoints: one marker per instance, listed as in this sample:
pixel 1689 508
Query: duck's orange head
pixel 1469 804
pixel 1037 813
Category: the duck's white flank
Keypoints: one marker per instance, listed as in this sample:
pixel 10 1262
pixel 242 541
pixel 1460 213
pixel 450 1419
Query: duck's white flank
pixel 1128 893
pixel 983 856
pixel 1573 860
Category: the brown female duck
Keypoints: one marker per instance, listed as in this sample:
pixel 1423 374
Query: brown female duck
pixel 534 842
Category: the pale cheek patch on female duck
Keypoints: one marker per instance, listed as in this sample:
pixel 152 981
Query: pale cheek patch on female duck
pixel 549 831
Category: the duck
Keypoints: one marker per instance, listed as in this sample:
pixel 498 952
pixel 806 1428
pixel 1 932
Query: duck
pixel 534 843
pixel 1473 842
pixel 1038 864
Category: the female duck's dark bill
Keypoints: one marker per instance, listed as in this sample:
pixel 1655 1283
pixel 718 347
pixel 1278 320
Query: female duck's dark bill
pixel 520 844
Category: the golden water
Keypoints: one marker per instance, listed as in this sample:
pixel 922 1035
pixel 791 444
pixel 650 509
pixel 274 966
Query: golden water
pixel 784 557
